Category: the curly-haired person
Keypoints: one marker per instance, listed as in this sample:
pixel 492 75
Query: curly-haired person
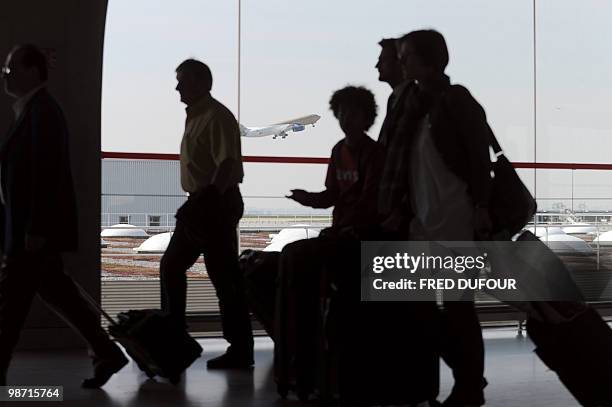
pixel 355 166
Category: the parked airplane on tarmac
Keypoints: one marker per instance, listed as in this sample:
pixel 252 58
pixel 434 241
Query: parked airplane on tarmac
pixel 280 129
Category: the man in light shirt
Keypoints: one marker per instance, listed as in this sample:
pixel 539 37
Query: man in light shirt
pixel 211 169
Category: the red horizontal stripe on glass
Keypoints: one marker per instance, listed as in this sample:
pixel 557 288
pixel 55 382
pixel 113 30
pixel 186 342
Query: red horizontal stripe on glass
pixel 324 160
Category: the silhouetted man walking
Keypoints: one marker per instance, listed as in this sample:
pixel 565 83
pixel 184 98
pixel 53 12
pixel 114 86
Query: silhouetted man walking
pixel 37 194
pixel 393 189
pixel 211 169
pixel 389 71
pixel 446 141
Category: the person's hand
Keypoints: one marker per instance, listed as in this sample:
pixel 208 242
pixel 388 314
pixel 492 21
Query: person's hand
pixel 34 243
pixel 482 223
pixel 299 196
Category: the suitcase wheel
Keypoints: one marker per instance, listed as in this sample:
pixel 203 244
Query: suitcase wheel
pixel 282 390
pixel 146 371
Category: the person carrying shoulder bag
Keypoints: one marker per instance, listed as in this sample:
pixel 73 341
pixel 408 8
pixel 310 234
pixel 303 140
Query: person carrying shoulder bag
pixel 448 174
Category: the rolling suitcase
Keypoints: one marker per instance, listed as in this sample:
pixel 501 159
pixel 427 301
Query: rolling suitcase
pixel 158 345
pixel 579 351
pixel 260 271
pixel 332 345
pixel 387 352
pixel 298 333
pixel 570 337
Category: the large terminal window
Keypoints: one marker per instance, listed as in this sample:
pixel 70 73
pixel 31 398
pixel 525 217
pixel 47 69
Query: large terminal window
pixel 539 68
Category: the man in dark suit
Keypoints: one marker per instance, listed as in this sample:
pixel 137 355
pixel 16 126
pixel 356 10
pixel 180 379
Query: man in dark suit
pixel 38 217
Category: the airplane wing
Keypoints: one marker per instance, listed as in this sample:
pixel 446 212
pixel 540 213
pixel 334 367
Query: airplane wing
pixel 304 121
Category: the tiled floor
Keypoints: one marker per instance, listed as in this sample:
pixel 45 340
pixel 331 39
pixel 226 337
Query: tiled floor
pixel 516 378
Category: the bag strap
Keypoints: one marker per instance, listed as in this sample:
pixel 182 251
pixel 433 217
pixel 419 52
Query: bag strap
pixel 492 139
pixel 494 143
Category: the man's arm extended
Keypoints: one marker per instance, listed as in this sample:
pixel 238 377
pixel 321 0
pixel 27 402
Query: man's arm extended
pixel 321 200
pixel 324 199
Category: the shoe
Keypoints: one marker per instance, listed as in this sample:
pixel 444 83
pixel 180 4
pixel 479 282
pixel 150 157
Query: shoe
pixel 104 368
pixel 230 360
pixel 454 400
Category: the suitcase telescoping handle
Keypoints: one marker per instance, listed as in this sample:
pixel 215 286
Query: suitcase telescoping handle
pixel 95 304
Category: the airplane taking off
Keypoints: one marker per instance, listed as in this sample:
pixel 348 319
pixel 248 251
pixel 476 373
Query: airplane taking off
pixel 280 129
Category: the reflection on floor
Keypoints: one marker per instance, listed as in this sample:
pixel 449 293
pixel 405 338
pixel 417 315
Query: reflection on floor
pixel 516 377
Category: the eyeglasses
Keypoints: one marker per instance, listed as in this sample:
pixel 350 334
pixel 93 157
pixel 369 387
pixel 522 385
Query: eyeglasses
pixel 6 71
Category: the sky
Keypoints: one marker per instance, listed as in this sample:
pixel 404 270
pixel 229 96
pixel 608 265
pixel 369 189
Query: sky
pixel 295 54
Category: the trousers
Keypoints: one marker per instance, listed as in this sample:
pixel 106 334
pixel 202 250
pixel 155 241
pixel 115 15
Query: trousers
pixel 26 275
pixel 209 229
